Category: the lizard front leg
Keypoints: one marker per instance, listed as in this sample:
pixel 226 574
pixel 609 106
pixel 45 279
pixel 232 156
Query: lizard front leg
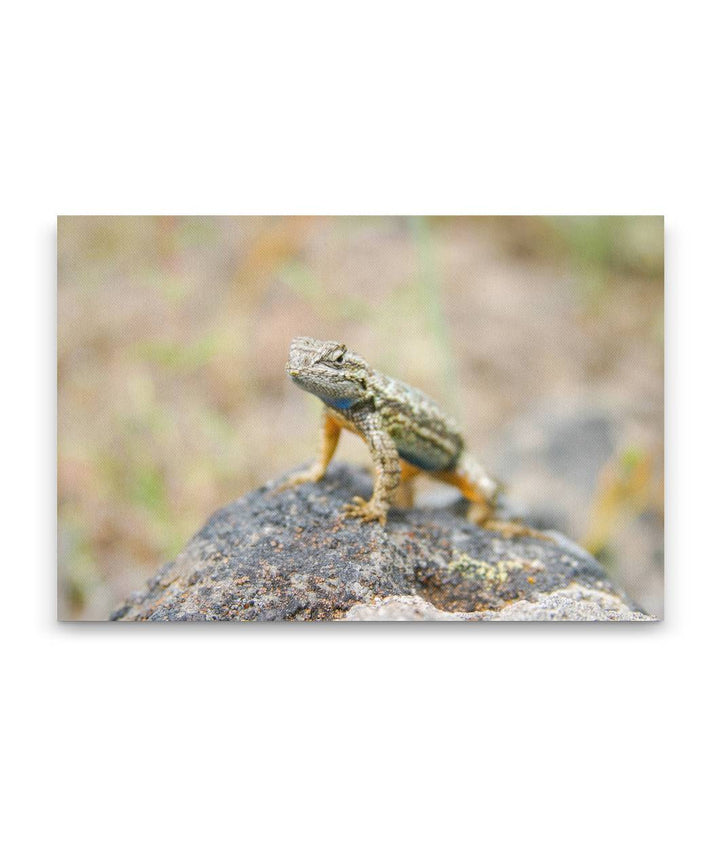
pixel 387 469
pixel 329 436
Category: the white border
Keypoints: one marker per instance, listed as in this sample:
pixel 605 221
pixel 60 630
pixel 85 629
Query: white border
pixel 359 739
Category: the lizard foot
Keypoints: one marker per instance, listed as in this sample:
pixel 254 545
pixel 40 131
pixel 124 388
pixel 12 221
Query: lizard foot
pixel 514 530
pixel 480 514
pixel 365 510
pixel 303 477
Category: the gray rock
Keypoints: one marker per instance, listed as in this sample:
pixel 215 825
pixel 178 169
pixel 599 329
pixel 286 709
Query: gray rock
pixel 575 603
pixel 292 556
pixel 404 608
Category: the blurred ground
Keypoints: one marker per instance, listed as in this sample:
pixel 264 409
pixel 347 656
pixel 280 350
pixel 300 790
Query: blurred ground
pixel 543 335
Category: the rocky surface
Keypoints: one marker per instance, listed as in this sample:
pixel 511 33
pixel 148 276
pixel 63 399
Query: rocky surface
pixel 575 603
pixel 293 556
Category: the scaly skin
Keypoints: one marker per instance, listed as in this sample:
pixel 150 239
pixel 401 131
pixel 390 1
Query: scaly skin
pixel 406 433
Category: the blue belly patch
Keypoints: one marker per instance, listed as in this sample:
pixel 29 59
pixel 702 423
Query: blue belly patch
pixel 339 403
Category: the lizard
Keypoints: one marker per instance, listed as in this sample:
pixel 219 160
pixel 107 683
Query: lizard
pixel 406 432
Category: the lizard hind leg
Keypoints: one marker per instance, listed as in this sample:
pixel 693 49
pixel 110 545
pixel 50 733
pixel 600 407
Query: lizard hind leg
pixel 476 485
pixel 404 496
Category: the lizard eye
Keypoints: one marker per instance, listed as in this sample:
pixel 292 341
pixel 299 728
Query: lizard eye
pixel 339 360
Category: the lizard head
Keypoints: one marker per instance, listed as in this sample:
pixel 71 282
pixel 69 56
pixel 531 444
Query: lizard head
pixel 329 371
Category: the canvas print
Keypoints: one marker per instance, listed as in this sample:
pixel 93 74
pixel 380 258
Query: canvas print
pixel 408 418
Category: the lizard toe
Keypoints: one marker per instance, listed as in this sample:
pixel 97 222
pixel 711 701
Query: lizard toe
pixel 364 510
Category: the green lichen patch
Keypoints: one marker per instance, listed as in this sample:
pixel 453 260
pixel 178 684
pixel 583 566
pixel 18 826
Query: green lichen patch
pixel 481 570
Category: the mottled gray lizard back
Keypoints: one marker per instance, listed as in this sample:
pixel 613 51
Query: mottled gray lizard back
pixel 423 434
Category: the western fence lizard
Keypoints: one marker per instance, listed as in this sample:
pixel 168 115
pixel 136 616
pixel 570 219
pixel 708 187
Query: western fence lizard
pixel 406 432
